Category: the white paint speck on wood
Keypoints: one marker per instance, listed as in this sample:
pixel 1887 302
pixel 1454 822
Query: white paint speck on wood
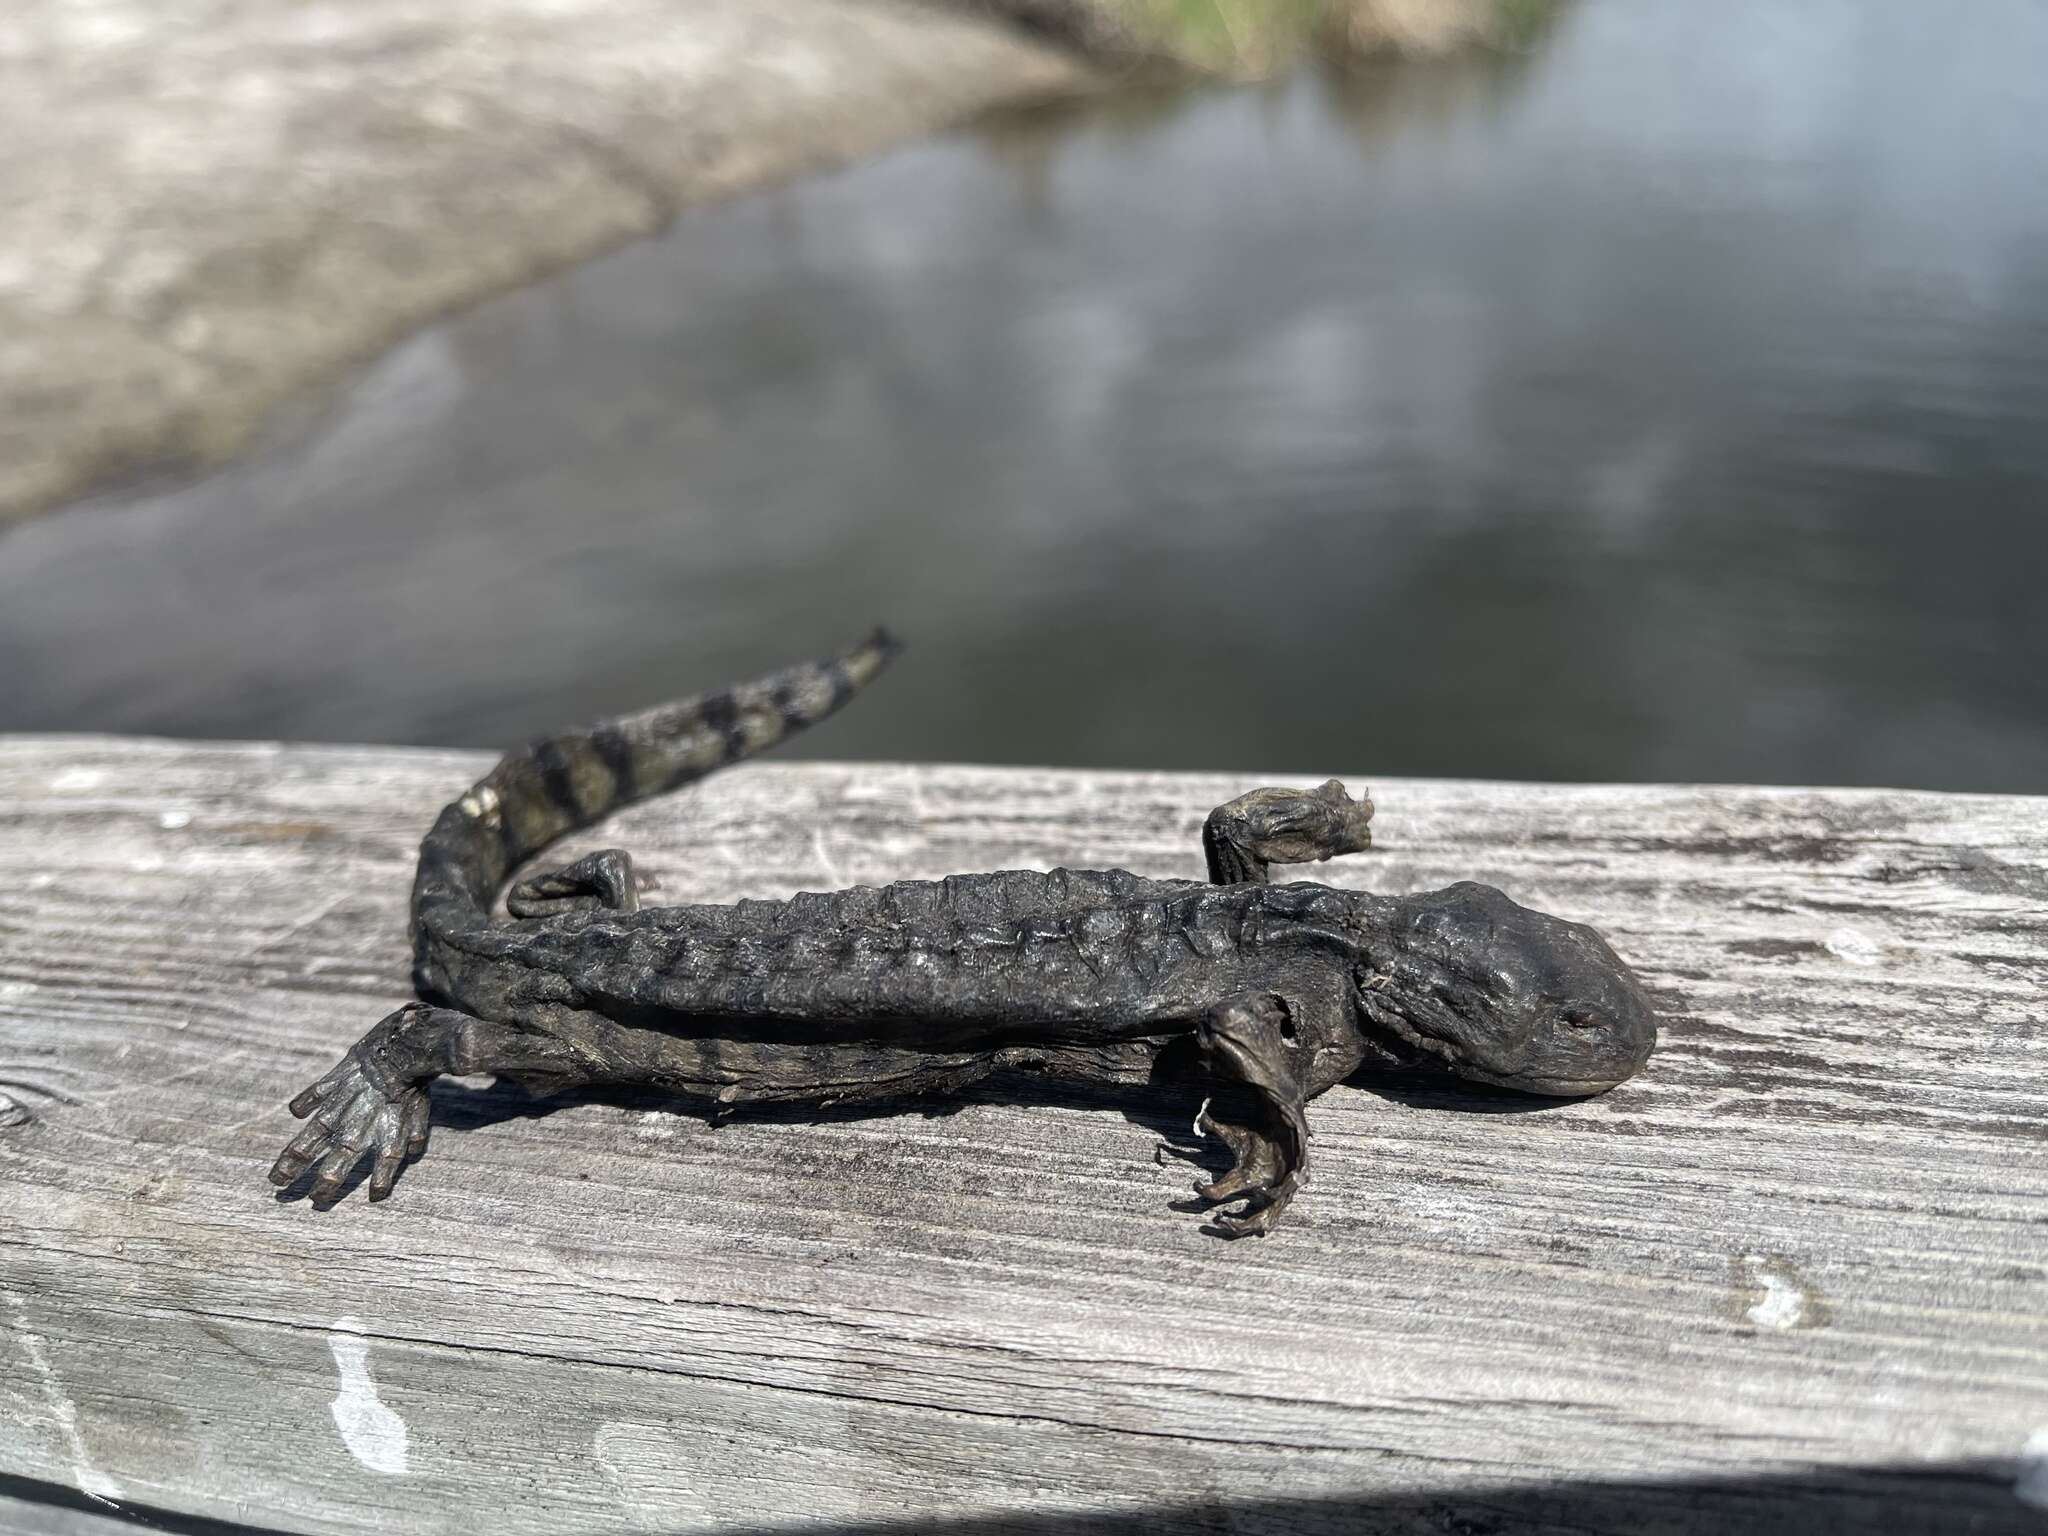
pixel 373 1433
pixel 1783 1304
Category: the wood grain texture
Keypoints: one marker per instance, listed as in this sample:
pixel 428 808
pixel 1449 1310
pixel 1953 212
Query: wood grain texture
pixel 1814 1235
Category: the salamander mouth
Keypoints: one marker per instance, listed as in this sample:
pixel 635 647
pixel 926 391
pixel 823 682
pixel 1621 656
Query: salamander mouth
pixel 1545 1087
pixel 1431 1050
pixel 1424 1049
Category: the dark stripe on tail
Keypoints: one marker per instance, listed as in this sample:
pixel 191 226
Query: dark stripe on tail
pixel 719 711
pixel 617 756
pixel 843 685
pixel 557 777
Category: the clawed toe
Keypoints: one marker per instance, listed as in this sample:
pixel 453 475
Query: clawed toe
pixel 1256 1222
pixel 1262 1206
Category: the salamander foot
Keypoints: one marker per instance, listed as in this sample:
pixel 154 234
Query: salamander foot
pixel 357 1107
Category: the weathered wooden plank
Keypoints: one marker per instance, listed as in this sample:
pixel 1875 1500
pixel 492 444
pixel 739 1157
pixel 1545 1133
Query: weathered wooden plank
pixel 1814 1234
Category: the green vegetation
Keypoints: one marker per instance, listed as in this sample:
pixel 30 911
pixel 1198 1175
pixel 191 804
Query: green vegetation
pixel 1238 37
pixel 1519 24
pixel 1259 37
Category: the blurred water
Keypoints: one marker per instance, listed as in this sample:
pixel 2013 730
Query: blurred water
pixel 1669 403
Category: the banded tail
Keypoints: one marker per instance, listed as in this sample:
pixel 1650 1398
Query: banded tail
pixel 563 783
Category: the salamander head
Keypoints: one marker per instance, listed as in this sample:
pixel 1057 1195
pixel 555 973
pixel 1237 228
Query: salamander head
pixel 1505 995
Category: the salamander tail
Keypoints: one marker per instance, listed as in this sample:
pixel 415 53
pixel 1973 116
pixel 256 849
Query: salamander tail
pixel 561 783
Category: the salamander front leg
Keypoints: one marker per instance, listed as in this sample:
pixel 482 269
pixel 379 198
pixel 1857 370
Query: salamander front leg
pixel 1255 1038
pixel 1283 826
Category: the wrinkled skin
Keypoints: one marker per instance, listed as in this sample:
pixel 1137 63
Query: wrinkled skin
pixel 925 987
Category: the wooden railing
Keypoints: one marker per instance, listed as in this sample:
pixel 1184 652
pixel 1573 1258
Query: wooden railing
pixel 1793 1277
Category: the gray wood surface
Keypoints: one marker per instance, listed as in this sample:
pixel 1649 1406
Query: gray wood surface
pixel 1801 1260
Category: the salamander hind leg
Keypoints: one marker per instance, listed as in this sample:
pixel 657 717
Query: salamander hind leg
pixel 373 1102
pixel 1243 837
pixel 602 881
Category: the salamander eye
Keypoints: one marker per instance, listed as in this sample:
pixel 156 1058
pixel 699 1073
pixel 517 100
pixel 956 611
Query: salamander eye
pixel 1580 1018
